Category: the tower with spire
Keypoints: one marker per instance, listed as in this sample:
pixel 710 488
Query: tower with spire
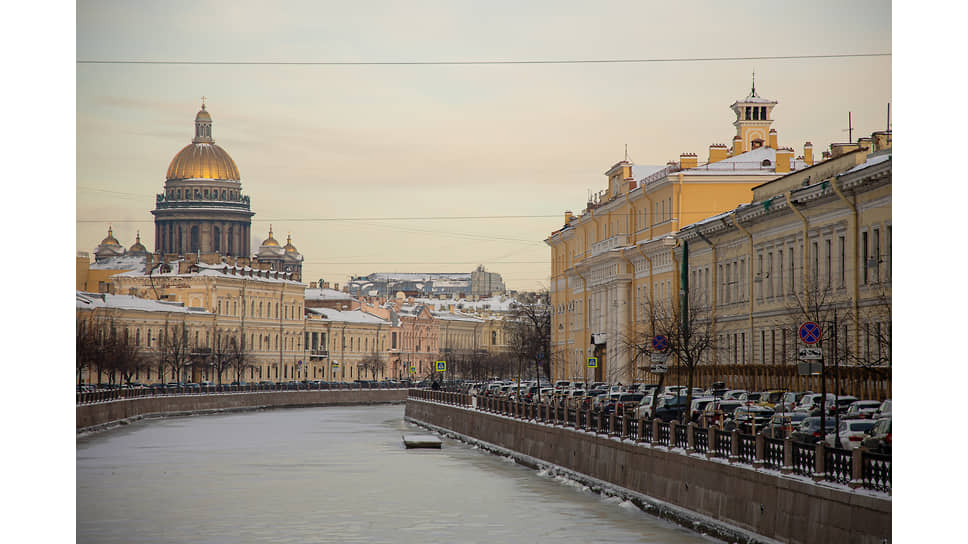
pixel 754 117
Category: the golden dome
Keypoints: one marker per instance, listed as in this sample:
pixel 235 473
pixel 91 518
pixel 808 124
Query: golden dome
pixel 289 247
pixel 138 247
pixel 110 240
pixel 204 161
pixel 270 241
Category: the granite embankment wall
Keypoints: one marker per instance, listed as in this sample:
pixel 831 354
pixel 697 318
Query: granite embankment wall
pixel 105 414
pixel 776 506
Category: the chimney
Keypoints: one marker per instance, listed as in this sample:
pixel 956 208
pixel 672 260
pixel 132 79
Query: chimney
pixel 568 216
pixel 826 155
pixel 837 150
pixel 808 153
pixel 882 140
pixel 783 157
pixel 717 152
pixel 773 138
pixel 738 146
pixel 688 160
pixel 629 184
pixel 866 143
pixel 149 262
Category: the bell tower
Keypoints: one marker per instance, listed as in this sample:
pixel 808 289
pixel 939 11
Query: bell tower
pixel 754 115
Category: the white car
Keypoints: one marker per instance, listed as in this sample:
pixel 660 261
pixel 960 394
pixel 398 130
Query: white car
pixel 862 409
pixel 884 411
pixel 850 433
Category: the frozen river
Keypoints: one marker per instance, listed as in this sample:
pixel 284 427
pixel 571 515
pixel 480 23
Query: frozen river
pixel 334 474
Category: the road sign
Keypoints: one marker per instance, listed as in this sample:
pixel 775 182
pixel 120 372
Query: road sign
pixel 335 364
pixel 658 357
pixel 593 362
pixel 809 332
pixel 809 354
pixel 660 342
pixel 441 366
pixel 658 369
pixel 413 369
pixel 299 363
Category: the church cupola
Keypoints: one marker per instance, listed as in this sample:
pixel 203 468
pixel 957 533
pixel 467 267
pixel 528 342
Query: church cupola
pixel 203 126
pixel 754 115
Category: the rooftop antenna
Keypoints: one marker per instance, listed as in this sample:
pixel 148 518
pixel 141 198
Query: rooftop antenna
pixel 849 130
pixel 888 116
pixel 754 83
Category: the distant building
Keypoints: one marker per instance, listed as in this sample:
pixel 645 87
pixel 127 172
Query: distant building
pixel 478 283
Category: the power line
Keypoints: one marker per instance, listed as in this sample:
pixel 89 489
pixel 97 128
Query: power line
pixel 477 62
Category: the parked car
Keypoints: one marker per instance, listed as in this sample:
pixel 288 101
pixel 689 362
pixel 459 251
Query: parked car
pixel 878 439
pixel 716 413
pixel 844 402
pixel 735 394
pixel 781 425
pixel 809 430
pixel 644 409
pixel 670 407
pixel 850 433
pixel 770 399
pixel 790 401
pixel 624 404
pixel 811 402
pixel 884 410
pixel 862 409
pixel 749 419
pixel 697 406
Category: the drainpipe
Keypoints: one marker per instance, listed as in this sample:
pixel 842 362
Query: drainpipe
pixel 855 288
pixel 630 329
pixel 713 284
pixel 803 252
pixel 749 282
pixel 584 322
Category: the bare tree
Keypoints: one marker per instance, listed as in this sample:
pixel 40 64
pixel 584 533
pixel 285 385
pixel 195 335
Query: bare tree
pixel 238 357
pixel 528 331
pixel 221 355
pixel 372 364
pixel 175 351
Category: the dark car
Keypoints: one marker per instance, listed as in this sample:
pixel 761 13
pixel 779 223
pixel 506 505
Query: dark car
pixel 749 419
pixel 809 430
pixel 879 437
pixel 670 408
pixel 624 403
pixel 782 425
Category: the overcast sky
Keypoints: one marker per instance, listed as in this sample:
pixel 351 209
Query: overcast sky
pixel 360 162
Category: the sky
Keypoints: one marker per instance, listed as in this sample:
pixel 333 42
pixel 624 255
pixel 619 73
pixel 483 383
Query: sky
pixel 439 168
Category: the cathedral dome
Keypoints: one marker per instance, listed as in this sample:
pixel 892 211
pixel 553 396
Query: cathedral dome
pixel 289 247
pixel 110 240
pixel 270 241
pixel 202 159
pixel 138 247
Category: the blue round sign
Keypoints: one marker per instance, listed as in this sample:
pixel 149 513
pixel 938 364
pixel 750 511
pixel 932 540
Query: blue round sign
pixel 660 342
pixel 810 332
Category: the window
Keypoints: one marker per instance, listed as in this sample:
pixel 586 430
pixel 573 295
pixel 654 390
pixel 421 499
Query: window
pixel 842 251
pixel 779 285
pixel 876 234
pixel 827 271
pixel 864 254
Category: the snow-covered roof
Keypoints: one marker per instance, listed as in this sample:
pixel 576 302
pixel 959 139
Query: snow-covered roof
pixel 747 163
pixel 327 294
pixel 641 171
pixel 871 161
pixel 215 270
pixel 456 316
pixel 348 316
pixel 91 301
pixel 121 262
pixel 493 303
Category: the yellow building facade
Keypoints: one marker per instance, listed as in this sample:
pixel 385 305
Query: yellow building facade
pixel 612 265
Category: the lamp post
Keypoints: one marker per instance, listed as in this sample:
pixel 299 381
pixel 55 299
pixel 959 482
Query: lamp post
pixel 672 242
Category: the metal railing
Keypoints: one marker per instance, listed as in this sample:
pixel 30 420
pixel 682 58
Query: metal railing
pixel 108 395
pixel 856 468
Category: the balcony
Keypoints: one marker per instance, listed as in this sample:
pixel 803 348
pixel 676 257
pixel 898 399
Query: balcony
pixel 318 354
pixel 619 240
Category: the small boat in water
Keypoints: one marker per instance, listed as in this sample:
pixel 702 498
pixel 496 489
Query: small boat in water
pixel 421 441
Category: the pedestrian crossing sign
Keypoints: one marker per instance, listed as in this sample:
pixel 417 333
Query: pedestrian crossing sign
pixel 441 366
pixel 593 362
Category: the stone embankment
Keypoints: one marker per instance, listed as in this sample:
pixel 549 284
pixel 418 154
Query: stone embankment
pixel 101 415
pixel 730 501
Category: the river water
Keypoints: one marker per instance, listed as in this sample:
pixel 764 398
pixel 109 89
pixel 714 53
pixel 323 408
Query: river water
pixel 331 474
